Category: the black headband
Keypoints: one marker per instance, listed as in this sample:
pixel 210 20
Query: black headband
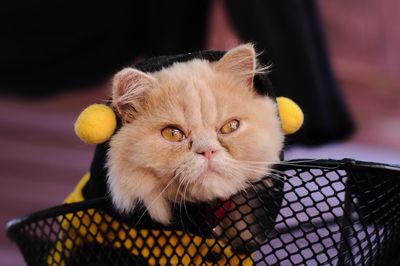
pixel 262 84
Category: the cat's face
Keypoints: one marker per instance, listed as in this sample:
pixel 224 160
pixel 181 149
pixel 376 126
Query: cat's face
pixel 197 128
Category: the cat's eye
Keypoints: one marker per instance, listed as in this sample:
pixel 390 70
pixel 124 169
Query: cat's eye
pixel 230 127
pixel 173 134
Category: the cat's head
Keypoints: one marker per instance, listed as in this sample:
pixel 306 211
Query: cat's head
pixel 196 130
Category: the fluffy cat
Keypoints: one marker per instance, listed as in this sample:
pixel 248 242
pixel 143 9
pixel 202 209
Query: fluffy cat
pixel 195 131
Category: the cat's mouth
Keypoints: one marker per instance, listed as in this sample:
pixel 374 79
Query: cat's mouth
pixel 210 167
pixel 206 180
pixel 193 190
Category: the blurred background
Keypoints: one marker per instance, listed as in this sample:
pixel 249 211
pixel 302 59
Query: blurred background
pixel 338 59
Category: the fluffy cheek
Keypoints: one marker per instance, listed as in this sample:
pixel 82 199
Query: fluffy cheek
pixel 139 166
pixel 165 158
pixel 254 147
pixel 256 144
pixel 145 148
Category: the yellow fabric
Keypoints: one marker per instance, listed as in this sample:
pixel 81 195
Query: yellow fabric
pixel 157 247
pixel 76 194
pixel 291 115
pixel 96 124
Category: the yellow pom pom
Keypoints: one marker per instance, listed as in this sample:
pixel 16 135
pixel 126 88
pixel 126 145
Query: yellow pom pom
pixel 291 115
pixel 96 124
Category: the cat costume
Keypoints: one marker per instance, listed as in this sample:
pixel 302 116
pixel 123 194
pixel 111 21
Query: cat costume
pixel 177 243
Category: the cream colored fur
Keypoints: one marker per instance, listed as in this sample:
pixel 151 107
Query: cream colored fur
pixel 199 97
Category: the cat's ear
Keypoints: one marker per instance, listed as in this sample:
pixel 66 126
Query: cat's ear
pixel 241 62
pixel 129 90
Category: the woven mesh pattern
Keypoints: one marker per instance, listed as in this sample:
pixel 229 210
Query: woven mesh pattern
pixel 320 213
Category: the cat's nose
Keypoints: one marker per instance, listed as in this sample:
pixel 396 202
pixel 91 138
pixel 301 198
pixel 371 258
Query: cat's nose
pixel 208 153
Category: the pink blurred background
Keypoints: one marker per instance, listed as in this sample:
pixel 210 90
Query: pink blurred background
pixel 41 158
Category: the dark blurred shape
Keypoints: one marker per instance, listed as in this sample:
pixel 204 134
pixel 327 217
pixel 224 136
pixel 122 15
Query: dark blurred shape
pixel 48 46
pixel 52 46
pixel 290 34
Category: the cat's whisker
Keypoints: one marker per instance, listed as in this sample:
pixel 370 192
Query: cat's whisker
pixel 259 167
pixel 154 200
pixel 181 182
pixel 264 170
pixel 291 176
pixel 239 169
pixel 180 208
pixel 260 170
pixel 309 166
pixel 178 191
pixel 185 182
pixel 277 176
pixel 278 171
pixel 184 199
pixel 244 190
pixel 103 100
pixel 234 175
pixel 250 185
pixel 253 162
pixel 279 162
pixel 297 163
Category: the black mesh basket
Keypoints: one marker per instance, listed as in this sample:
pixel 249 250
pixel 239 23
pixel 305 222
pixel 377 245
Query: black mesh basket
pixel 319 212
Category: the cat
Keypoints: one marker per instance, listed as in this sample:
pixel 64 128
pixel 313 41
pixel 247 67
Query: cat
pixel 195 132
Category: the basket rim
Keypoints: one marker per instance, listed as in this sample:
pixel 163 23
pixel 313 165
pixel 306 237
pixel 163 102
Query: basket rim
pixel 346 164
pixel 18 222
